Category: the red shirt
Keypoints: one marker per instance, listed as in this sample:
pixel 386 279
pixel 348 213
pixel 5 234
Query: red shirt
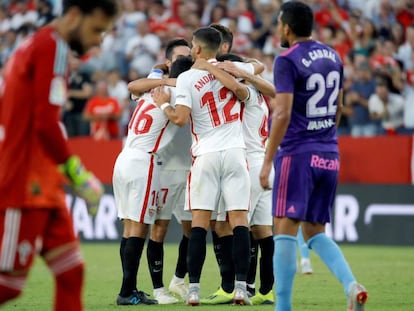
pixel 107 128
pixel 32 143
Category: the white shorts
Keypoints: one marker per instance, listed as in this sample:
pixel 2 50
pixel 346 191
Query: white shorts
pixel 223 173
pixel 260 212
pixel 171 195
pixel 136 183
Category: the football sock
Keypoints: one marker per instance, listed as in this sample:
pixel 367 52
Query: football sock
pixel 181 268
pixel 284 266
pixel 196 253
pixel 121 251
pixel 216 247
pixel 332 256
pixel 251 275
pixel 132 256
pixel 68 271
pixel 227 263
pixel 155 258
pixel 267 247
pixel 303 246
pixel 68 293
pixel 6 292
pixel 241 252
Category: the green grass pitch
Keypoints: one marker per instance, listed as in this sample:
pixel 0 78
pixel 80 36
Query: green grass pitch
pixel 387 272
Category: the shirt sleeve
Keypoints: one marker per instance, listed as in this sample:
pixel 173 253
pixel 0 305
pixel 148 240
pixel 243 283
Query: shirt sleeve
pixel 284 75
pixel 183 91
pixel 49 69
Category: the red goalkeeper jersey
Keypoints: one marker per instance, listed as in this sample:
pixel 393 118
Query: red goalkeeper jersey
pixel 32 142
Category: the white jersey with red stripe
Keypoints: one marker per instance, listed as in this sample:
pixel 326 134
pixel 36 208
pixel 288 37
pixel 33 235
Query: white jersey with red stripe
pixel 255 116
pixel 149 129
pixel 215 112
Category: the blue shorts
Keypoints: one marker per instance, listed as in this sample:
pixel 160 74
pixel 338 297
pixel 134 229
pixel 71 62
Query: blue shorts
pixel 305 185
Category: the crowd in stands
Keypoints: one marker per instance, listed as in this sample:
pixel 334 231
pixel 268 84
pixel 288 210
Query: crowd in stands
pixel 375 39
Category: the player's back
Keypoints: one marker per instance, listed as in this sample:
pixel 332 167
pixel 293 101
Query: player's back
pixel 34 87
pixel 317 72
pixel 215 114
pixel 149 130
pixel 255 126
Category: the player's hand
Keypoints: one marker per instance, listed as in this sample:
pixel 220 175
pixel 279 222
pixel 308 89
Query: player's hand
pixel 84 183
pixel 264 175
pixel 160 96
pixel 231 68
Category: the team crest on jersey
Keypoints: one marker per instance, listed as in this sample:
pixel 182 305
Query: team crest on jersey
pixel 57 94
pixel 24 250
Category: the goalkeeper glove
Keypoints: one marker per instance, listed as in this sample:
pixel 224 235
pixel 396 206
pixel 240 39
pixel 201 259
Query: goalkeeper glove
pixel 84 183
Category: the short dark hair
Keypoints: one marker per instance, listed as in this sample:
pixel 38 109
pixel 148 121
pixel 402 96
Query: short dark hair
pixel 298 16
pixel 226 34
pixel 109 7
pixel 172 44
pixel 230 56
pixel 181 64
pixel 209 36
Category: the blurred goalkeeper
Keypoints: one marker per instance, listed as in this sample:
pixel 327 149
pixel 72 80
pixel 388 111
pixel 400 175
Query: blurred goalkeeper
pixel 34 153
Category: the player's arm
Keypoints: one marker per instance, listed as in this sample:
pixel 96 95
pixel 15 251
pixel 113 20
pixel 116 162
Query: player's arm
pixel 239 89
pixel 262 85
pixel 49 79
pixel 339 107
pixel 282 110
pixel 179 115
pixel 48 65
pixel 258 66
pixel 140 86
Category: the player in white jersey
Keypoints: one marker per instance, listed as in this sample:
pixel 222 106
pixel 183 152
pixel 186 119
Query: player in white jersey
pixel 136 185
pixel 176 163
pixel 255 132
pixel 219 167
pixel 254 121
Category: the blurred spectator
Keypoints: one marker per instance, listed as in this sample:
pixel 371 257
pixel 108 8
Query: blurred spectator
pixel 23 15
pixel 404 12
pixel 264 21
pixel 387 107
pixel 5 24
pixel 241 42
pixel 356 99
pixel 79 91
pixel 384 18
pixel 365 42
pixel 409 99
pixel 328 13
pixel 406 50
pixel 383 62
pixel 45 12
pixel 103 112
pixel 141 50
pixel 118 89
pixel 160 19
pixel 8 45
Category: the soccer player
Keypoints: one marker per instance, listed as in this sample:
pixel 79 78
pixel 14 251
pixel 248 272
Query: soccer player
pixel 219 167
pixel 136 185
pixel 308 79
pixel 176 163
pixel 254 124
pixel 34 218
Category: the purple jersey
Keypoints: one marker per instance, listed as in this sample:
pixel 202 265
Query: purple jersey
pixel 313 73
